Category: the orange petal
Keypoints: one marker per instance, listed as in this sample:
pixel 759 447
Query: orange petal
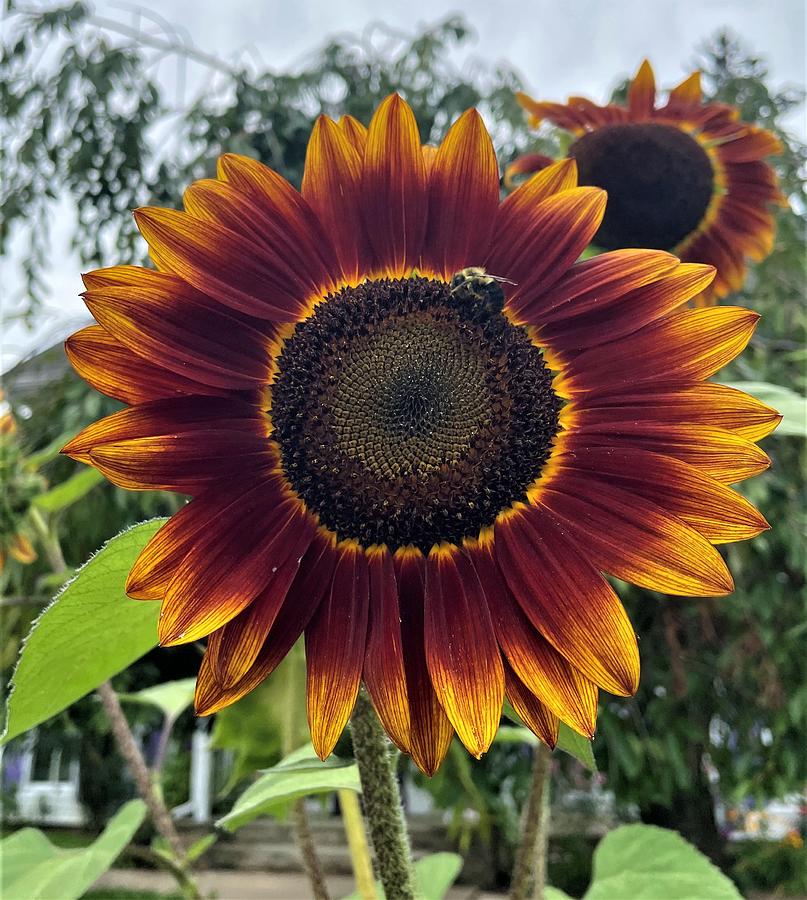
pixel 642 93
pixel 331 184
pixel 220 262
pixel 633 539
pixel 355 132
pixel 687 93
pixel 235 647
pixel 707 505
pixel 541 722
pixel 684 347
pixel 229 565
pixel 629 313
pixel 335 644
pixel 168 416
pixel 305 595
pixel 431 731
pixel 603 280
pixel 21 549
pixel 112 369
pixel 384 671
pixel 709 404
pixel 567 599
pixel 547 243
pixel 461 651
pixel 463 197
pixel 718 453
pixel 526 164
pixel 395 188
pixel 544 671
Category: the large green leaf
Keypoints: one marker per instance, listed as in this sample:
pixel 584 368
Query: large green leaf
pixel 648 863
pixel 172 697
pixel 791 405
pixel 300 774
pixel 434 875
pixel 90 632
pixel 70 491
pixel 33 869
pixel 569 741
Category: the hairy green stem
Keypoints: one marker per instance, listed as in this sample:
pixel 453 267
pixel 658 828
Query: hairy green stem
pixel 382 802
pixel 529 872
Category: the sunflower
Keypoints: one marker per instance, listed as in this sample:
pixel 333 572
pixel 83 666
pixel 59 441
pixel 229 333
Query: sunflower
pixel 688 176
pixel 416 431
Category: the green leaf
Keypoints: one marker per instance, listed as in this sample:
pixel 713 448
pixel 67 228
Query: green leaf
pixel 33 869
pixel 434 875
pixel 648 863
pixel 577 746
pixel 172 697
pixel 791 405
pixel 90 632
pixel 569 741
pixel 50 452
pixel 68 492
pixel 300 774
pixel 253 727
pixel 200 847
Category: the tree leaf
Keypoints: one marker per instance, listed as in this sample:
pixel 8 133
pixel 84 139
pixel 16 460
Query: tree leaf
pixel 172 697
pixel 434 875
pixel 90 632
pixel 644 862
pixel 33 869
pixel 791 405
pixel 70 491
pixel 300 774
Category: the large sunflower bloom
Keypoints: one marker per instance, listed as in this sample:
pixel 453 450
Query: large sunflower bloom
pixel 686 176
pixel 426 485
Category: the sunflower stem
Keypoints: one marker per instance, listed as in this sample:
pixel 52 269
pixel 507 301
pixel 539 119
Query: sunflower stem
pixel 529 872
pixel 382 802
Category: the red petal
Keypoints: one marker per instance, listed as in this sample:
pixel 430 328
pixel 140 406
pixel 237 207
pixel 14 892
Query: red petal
pixel 567 599
pixel 461 650
pixel 431 730
pixel 332 185
pixel 313 579
pixel 335 644
pixel 634 539
pixel 384 671
pixel 395 188
pixel 541 722
pixel 547 674
pixel 230 563
pixel 234 648
pixel 463 197
pixel 220 262
pixel 112 369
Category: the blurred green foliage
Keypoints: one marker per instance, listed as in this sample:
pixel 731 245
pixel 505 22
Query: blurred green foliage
pixel 723 688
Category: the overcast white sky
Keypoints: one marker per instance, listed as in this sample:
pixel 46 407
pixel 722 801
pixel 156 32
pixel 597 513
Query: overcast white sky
pixel 577 46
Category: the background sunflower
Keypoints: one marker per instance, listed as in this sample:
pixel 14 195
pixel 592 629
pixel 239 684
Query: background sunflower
pixel 686 176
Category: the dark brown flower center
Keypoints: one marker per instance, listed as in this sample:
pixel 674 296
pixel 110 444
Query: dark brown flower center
pixel 408 414
pixel 659 182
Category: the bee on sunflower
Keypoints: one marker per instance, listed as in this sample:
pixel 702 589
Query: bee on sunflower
pixel 685 176
pixel 423 476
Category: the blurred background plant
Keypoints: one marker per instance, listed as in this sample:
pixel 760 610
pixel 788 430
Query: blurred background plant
pixel 720 717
